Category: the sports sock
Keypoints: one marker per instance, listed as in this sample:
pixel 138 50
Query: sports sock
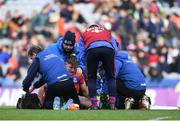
pixel 94 101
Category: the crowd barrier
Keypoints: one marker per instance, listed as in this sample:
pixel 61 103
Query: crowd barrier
pixel 164 83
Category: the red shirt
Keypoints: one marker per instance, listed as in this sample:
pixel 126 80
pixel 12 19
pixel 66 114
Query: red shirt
pixel 95 34
pixel 153 58
pixel 78 80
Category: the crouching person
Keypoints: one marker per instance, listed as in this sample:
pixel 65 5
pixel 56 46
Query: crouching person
pixel 54 74
pixel 131 85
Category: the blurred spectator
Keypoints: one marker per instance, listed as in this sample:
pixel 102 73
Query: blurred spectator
pixel 124 27
pixel 1 72
pixel 172 54
pixel 1 76
pixel 4 54
pixel 70 13
pixel 155 25
pixel 162 48
pixel 2 2
pixel 142 59
pixel 155 73
pixel 174 26
pixel 23 58
pixel 42 18
pixel 4 25
pixel 16 21
pixel 1 27
pixel 153 57
pixel 174 66
pixel 24 32
pixel 148 29
pixel 13 69
pixel 153 7
pixel 162 64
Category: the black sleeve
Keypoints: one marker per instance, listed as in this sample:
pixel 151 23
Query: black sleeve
pixel 31 73
pixel 38 83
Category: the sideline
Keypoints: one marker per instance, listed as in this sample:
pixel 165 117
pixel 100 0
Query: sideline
pixel 159 118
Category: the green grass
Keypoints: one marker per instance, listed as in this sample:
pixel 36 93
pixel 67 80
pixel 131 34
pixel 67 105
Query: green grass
pixel 10 113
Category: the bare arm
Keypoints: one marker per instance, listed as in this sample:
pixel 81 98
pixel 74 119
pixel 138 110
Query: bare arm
pixel 84 89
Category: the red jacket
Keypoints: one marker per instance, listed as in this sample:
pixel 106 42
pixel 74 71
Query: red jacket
pixel 95 34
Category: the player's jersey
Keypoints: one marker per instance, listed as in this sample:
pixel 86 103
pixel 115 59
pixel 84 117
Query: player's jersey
pixel 95 34
pixel 78 80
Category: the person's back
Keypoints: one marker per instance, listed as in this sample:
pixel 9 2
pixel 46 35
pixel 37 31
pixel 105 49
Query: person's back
pixel 131 85
pixel 97 36
pixel 98 45
pixel 54 47
pixel 128 72
pixel 93 34
pixel 51 67
pixel 54 73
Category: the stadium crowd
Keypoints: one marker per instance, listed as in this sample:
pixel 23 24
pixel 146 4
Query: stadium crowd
pixel 148 30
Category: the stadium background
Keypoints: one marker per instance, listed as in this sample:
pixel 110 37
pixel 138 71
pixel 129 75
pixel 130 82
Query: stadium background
pixel 147 29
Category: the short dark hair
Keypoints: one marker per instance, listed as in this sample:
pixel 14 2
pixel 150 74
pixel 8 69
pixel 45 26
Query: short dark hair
pixel 34 49
pixel 72 59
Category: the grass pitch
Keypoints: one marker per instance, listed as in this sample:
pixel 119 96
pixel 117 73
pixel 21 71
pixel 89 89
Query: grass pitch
pixel 10 113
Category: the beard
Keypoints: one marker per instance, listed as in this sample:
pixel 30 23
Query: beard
pixel 67 51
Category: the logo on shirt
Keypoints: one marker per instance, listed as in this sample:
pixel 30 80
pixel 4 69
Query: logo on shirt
pixel 50 56
pixel 62 76
pixel 75 80
pixel 143 84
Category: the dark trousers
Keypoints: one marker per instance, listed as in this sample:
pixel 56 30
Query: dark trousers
pixel 63 89
pixel 123 92
pixel 93 57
